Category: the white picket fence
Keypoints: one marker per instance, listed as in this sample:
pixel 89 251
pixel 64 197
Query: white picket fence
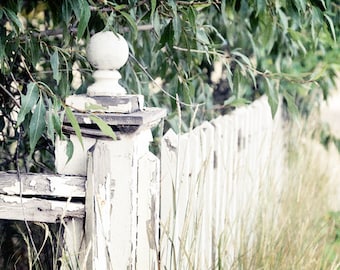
pixel 211 179
pixel 194 206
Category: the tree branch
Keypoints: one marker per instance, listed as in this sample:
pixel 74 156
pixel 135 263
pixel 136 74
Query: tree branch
pixel 10 95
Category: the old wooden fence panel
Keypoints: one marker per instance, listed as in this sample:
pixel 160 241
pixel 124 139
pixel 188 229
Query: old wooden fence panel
pixel 211 179
pixel 174 213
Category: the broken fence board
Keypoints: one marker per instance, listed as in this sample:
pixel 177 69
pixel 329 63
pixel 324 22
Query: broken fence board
pixel 40 210
pixel 42 185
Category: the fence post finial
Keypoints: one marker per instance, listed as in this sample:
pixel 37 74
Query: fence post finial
pixel 107 52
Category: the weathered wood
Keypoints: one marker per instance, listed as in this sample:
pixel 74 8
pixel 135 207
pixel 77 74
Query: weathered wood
pixel 206 247
pixel 116 104
pixel 47 198
pixel 210 186
pixel 90 223
pixel 146 118
pixel 148 212
pixel 42 185
pixel 77 165
pixel 169 174
pixel 111 201
pixel 33 209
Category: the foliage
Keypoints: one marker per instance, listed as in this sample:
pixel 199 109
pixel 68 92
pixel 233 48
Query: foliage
pixel 288 47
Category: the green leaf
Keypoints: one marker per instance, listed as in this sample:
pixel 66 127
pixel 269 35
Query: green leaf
pixel 66 11
pixel 157 24
pixel 57 124
pixel 292 108
pixel 283 20
pixel 76 7
pixel 13 18
pixel 33 49
pixel 202 36
pixel 69 150
pixel 84 19
pixel 54 59
pixel 192 18
pixel 176 21
pixel 153 7
pixel 201 5
pixel 37 124
pixel 236 82
pixel 331 26
pixel 120 7
pixel 50 126
pixel 94 107
pixel 70 116
pixel 236 102
pixel 318 73
pixel 131 21
pixel 177 28
pixel 109 22
pixel 167 36
pixel 273 96
pixel 105 128
pixel 242 56
pixel 54 120
pixel 300 5
pixel 28 101
pixel 268 33
pixel 260 6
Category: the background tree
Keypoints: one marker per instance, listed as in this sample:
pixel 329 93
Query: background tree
pixel 286 47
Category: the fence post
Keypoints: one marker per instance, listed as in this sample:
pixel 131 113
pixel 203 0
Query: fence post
pixel 122 192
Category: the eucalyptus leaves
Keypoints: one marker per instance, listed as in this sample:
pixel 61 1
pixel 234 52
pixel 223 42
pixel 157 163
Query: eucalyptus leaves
pixel 275 47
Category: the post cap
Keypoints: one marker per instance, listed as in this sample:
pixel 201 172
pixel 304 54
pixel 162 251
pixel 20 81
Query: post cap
pixel 107 51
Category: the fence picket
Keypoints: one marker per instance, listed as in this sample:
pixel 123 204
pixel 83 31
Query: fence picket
pixel 231 158
pixel 147 212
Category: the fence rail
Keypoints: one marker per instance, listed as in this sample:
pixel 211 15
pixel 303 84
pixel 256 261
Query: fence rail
pixel 41 197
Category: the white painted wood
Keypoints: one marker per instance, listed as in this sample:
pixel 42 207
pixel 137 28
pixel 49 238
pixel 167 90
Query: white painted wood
pixel 148 212
pixel 41 210
pixel 232 175
pixel 47 199
pixel 112 201
pixel 193 215
pixel 78 163
pixel 218 182
pixel 206 255
pixel 42 185
pixel 181 204
pixel 169 149
pixel 230 211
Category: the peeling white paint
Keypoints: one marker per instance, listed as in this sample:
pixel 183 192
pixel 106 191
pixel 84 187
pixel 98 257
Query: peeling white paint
pixel 12 189
pixel 87 120
pixel 11 199
pixel 55 205
pixel 52 205
pixel 33 183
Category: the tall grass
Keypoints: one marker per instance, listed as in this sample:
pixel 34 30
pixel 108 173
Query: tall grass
pixel 288 224
pixel 295 229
